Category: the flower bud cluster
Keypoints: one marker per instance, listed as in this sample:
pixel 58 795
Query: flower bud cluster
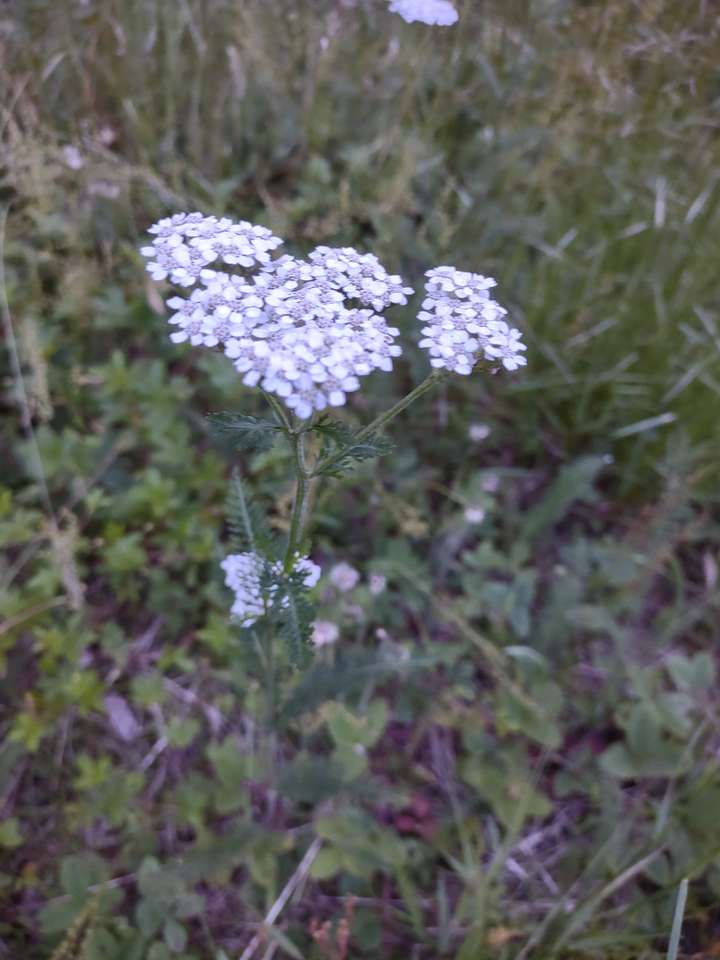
pixel 244 575
pixel 462 323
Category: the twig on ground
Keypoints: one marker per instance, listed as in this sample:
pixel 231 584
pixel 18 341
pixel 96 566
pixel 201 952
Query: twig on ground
pixel 276 909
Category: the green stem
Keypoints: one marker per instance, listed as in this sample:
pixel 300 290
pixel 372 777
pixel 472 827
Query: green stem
pixel 384 418
pixel 301 501
pixel 279 411
pixel 296 440
pixel 304 477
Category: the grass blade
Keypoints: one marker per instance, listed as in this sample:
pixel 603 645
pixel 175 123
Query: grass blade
pixel 674 944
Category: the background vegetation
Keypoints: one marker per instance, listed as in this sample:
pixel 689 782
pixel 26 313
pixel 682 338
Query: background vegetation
pixel 512 752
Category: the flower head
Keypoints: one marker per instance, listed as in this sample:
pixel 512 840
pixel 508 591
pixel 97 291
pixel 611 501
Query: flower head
pixel 187 242
pixel 305 330
pixel 344 577
pixel 359 276
pixel 324 633
pixel 292 333
pixel 377 583
pixel 439 13
pixel 474 514
pixel 478 432
pixel 462 322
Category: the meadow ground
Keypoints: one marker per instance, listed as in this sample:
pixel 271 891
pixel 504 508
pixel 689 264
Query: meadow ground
pixel 512 751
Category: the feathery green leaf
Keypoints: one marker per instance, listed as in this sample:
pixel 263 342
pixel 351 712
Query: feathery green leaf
pixel 239 432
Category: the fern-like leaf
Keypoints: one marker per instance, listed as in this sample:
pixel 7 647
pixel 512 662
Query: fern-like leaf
pixel 249 529
pixel 343 449
pixel 239 432
pixel 294 614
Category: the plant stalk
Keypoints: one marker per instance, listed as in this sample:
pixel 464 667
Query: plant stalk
pixel 304 477
pixel 301 501
pixel 384 418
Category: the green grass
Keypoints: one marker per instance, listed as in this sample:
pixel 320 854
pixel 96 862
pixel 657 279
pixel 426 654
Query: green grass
pixel 536 696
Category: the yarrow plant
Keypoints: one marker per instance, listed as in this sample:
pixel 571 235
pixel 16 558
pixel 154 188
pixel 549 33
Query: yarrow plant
pixel 306 332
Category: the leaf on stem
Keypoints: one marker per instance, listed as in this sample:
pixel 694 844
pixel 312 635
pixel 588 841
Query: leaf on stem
pixel 344 447
pixel 239 432
pixel 294 614
pixel 249 529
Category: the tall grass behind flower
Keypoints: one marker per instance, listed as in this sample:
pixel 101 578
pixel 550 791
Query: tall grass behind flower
pixel 503 739
pixel 513 158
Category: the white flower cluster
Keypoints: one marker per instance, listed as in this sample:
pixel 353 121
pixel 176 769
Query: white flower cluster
pixel 286 324
pixel 461 322
pixel 243 575
pixel 308 330
pixel 186 243
pixel 439 13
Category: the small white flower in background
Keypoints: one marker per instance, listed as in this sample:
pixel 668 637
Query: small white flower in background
pixel 462 322
pixel 478 432
pixel 73 158
pixel 243 575
pixel 324 633
pixel 490 483
pixel 377 583
pixel 344 577
pixel 354 612
pixel 104 188
pixel 439 13
pixel 474 514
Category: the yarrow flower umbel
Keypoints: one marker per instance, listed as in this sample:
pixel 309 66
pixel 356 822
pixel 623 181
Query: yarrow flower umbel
pixel 439 13
pixel 463 323
pixel 186 243
pixel 309 330
pixel 303 330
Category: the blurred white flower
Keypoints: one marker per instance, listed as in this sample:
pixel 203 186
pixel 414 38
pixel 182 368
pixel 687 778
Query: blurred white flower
pixel 462 322
pixel 104 188
pixel 478 432
pixel 433 12
pixel 377 583
pixel 243 575
pixel 490 483
pixel 73 158
pixel 474 514
pixel 324 633
pixel 344 577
